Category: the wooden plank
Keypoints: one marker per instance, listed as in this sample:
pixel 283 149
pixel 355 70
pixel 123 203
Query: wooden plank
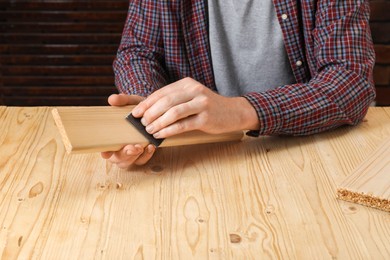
pixel 379 10
pixel 369 184
pixel 20 99
pixel 57 80
pixel 43 38
pixel 382 75
pixel 62 49
pixel 58 60
pixel 57 70
pixel 63 16
pixel 1 86
pixel 380 32
pixel 99 129
pixel 66 91
pixel 64 5
pixel 67 46
pixel 54 27
pixel 382 95
pixel 382 54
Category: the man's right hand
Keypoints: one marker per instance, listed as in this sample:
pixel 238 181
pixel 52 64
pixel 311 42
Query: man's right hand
pixel 129 154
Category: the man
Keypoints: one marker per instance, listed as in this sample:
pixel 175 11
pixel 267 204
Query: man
pixel 278 68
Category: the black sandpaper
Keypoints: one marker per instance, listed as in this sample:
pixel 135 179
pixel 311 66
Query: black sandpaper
pixel 136 122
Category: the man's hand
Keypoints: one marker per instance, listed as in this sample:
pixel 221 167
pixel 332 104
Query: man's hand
pixel 130 154
pixel 188 105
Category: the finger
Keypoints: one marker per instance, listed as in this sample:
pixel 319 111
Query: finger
pixel 173 115
pixel 126 155
pixel 166 103
pixel 106 155
pixel 123 99
pixel 146 155
pixel 135 155
pixel 177 89
pixel 187 124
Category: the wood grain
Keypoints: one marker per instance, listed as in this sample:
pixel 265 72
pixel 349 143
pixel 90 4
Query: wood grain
pixel 64 46
pixel 99 129
pixel 379 10
pixel 369 184
pixel 265 198
pixel 382 54
pixel 382 95
pixel 382 75
pixel 64 5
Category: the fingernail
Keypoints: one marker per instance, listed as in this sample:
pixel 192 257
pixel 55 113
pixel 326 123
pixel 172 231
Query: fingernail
pixel 134 151
pixel 149 128
pixel 156 135
pixel 150 149
pixel 143 121
pixel 136 112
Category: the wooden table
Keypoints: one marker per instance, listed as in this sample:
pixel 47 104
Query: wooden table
pixel 271 197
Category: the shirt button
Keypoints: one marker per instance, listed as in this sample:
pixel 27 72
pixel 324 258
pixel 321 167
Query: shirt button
pixel 284 16
pixel 299 63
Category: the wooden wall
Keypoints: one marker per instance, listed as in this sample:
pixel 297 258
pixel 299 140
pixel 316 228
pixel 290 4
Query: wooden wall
pixel 60 52
pixel 380 27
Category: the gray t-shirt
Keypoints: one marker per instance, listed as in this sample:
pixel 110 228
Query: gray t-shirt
pixel 247 49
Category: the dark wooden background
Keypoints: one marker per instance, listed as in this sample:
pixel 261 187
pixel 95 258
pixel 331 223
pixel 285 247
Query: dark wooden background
pixel 380 28
pixel 61 52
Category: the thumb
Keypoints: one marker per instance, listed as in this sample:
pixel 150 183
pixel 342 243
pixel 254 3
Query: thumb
pixel 124 100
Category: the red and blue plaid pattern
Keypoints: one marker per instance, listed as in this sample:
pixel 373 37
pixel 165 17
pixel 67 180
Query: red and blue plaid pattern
pixel 328 43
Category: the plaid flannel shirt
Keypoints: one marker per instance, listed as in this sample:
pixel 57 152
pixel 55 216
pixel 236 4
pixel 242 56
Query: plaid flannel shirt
pixel 328 43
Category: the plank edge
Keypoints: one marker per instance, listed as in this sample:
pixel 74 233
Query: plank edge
pixel 57 119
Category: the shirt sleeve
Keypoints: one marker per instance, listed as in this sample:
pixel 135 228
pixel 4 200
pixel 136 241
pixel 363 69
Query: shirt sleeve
pixel 341 88
pixel 138 66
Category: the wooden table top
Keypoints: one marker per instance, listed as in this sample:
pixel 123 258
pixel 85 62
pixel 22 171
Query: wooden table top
pixel 271 197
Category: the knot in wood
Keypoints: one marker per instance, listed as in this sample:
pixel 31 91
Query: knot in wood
pixel 36 190
pixel 235 239
pixel 269 209
pixel 157 168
